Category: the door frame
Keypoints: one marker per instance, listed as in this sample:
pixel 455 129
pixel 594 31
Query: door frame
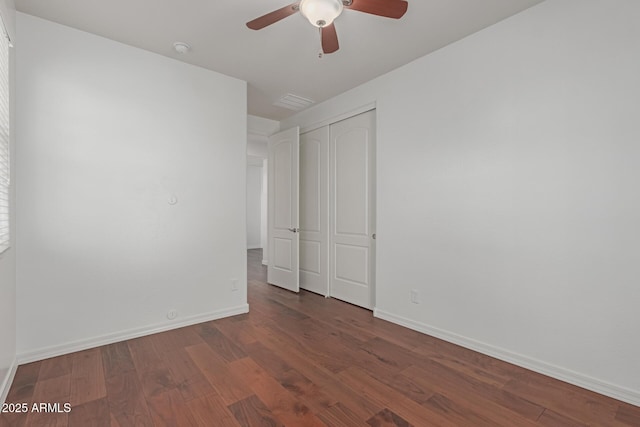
pixel 328 122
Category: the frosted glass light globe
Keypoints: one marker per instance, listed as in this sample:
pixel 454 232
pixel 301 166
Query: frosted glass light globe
pixel 321 13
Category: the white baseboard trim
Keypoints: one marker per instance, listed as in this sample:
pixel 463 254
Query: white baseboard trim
pixel 71 347
pixel 563 374
pixel 7 381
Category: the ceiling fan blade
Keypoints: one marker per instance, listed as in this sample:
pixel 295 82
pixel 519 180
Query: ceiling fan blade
pixel 387 8
pixel 273 17
pixel 329 39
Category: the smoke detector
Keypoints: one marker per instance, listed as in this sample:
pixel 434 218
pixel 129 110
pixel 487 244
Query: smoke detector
pixel 181 47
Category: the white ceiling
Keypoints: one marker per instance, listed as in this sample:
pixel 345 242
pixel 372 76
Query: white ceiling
pixel 282 58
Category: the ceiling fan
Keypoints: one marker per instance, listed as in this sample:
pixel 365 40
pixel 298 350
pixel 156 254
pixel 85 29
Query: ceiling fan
pixel 321 14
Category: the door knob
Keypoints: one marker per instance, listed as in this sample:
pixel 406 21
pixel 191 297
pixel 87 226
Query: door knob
pixel 294 230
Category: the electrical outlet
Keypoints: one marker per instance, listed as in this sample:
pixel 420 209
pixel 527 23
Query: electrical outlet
pixel 172 314
pixel 415 296
pixel 234 285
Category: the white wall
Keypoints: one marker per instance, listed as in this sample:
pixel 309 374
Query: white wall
pixel 508 191
pixel 254 210
pixel 259 130
pixel 8 257
pixel 107 136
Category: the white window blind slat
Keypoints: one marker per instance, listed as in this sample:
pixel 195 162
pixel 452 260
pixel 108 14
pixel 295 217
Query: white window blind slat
pixel 4 141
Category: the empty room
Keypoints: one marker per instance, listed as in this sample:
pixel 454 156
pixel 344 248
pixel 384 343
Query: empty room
pixel 319 213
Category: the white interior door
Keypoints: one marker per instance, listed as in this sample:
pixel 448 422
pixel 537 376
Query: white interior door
pixel 283 180
pixel 352 207
pixel 314 211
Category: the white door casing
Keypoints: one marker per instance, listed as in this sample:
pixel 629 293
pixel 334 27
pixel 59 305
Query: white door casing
pixel 352 210
pixel 314 211
pixel 283 205
pixel 264 203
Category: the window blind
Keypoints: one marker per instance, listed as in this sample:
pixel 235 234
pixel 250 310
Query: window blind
pixel 4 140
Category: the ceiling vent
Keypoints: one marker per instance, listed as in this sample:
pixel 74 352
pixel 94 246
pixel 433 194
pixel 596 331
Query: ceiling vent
pixel 293 102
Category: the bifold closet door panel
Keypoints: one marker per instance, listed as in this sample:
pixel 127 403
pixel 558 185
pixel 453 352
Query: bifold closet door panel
pixel 314 211
pixel 283 216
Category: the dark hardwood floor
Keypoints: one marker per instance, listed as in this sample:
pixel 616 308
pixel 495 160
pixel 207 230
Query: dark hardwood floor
pixel 299 360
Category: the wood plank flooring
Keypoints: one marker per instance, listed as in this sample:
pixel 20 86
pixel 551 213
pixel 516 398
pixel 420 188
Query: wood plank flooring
pixel 299 360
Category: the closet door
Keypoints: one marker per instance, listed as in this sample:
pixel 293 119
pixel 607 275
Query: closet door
pixel 352 209
pixel 314 211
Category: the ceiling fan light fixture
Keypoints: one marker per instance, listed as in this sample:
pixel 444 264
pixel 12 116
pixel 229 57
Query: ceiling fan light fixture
pixel 321 13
